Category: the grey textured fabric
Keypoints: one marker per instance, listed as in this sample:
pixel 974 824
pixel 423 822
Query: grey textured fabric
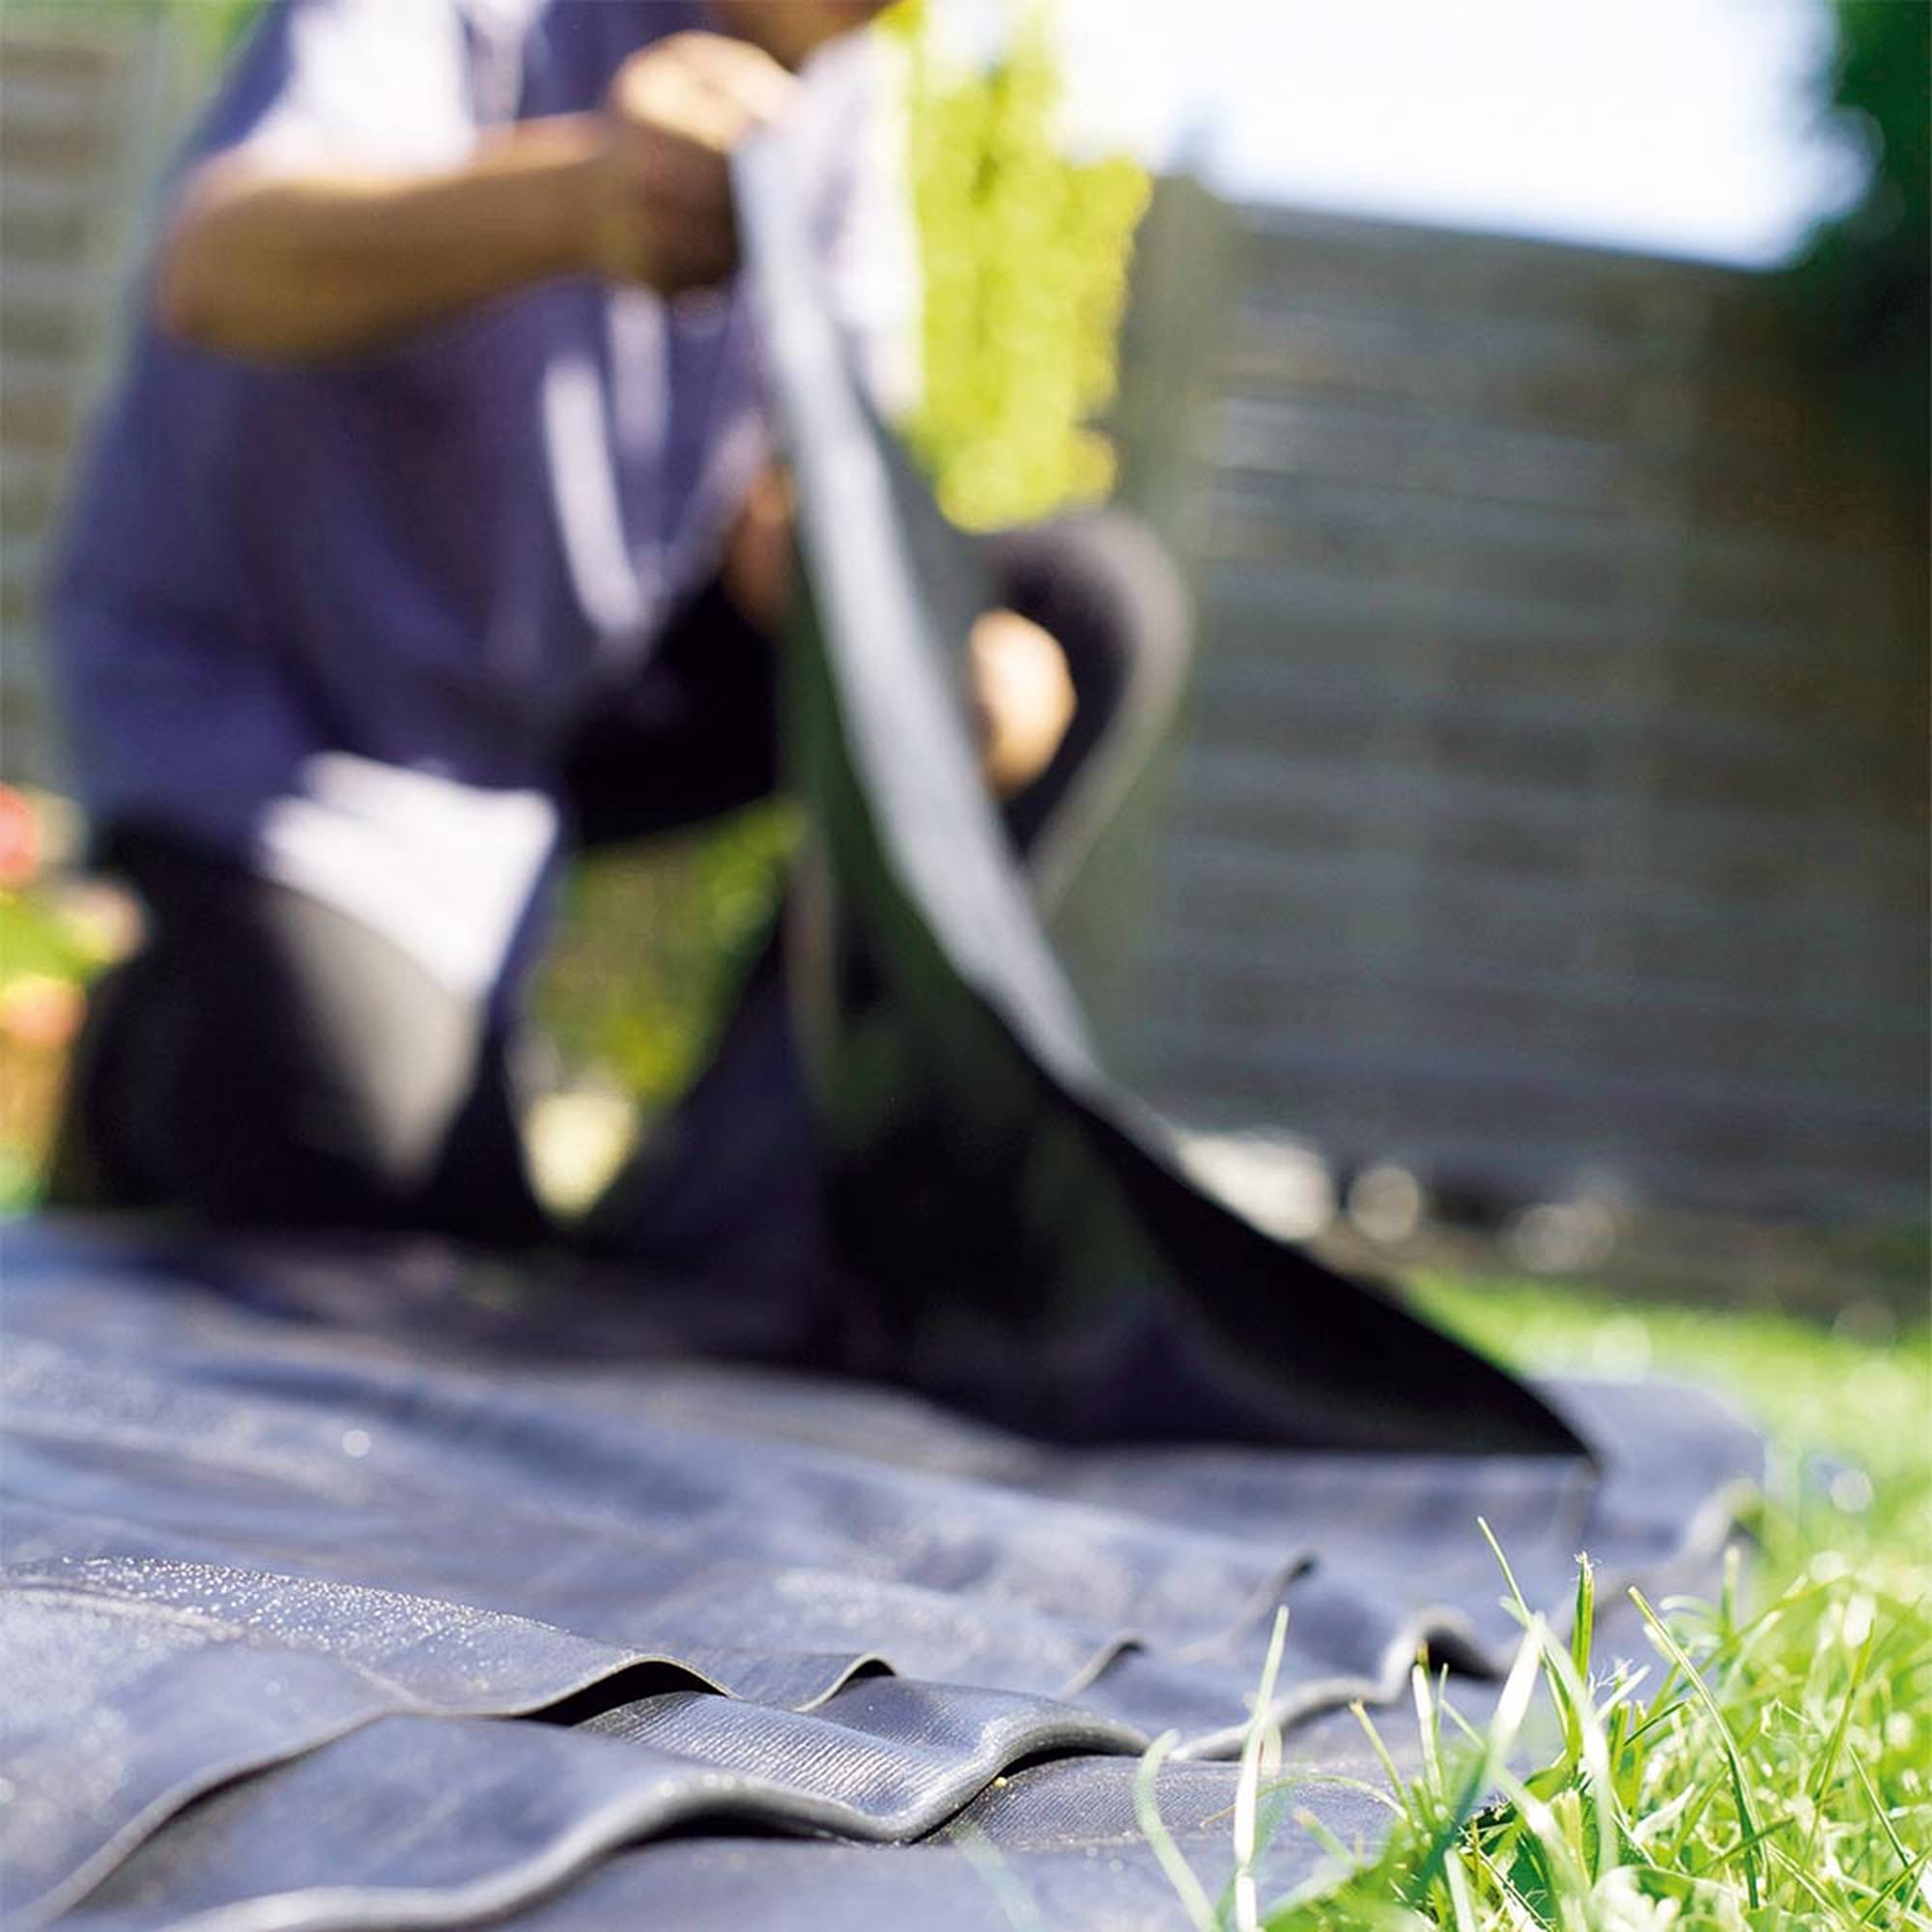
pixel 338 1505
pixel 131 1688
pixel 518 1805
pixel 343 1838
pixel 1056 1848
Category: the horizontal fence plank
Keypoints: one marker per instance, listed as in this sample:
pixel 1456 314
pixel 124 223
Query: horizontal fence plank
pixel 1403 1095
pixel 1399 362
pixel 42 328
pixel 1669 472
pixel 1586 556
pixel 37 416
pixel 1825 709
pixel 1704 1100
pixel 1245 604
pixel 59 285
pixel 1403 1002
pixel 1213 961
pixel 41 106
pixel 72 44
pixel 71 145
pixel 1257 698
pixel 1248 885
pixel 1518 372
pixel 1463 454
pixel 42 234
pixel 1486 1152
pixel 1234 780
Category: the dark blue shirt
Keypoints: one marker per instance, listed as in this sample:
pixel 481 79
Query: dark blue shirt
pixel 339 619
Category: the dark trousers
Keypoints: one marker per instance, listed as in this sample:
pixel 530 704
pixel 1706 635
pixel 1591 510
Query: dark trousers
pixel 265 1060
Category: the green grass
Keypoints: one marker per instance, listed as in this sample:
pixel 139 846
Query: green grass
pixel 1770 1767
pixel 1850 1419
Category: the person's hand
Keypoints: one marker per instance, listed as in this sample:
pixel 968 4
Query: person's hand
pixel 662 200
pixel 757 570
pixel 1019 687
pixel 1022 699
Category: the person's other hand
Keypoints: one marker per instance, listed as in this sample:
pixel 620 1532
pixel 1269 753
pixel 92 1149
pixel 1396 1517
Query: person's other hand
pixel 757 563
pixel 1019 687
pixel 1022 699
pixel 674 111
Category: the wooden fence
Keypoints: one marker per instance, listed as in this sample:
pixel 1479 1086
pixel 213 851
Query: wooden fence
pixel 90 97
pixel 1552 806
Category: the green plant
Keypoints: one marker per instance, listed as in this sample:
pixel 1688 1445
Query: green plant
pixel 652 945
pixel 1775 1776
pixel 1861 290
pixel 220 23
pixel 1767 1769
pixel 1024 253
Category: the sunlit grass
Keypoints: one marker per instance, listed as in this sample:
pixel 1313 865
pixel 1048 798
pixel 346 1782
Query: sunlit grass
pixel 1767 1771
pixel 1770 1766
pixel 1850 1419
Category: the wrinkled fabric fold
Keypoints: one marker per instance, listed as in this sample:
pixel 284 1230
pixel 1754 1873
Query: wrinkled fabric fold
pixel 240 1537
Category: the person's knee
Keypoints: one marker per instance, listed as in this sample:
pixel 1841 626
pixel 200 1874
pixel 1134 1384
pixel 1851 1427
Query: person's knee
pixel 1136 576
pixel 1105 589
pixel 1110 592
pixel 267 1060
pixel 179 1110
pixel 333 1110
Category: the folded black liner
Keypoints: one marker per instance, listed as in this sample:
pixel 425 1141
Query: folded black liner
pixel 990 1184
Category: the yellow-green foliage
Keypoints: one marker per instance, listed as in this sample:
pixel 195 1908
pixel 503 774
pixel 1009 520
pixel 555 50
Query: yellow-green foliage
pixel 1025 257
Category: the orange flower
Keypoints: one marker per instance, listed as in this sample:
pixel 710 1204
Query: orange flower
pixel 20 842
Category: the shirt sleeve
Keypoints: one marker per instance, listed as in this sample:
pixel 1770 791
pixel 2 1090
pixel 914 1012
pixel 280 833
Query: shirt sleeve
pixel 378 83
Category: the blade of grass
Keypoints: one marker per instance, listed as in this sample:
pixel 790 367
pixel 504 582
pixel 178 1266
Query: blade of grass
pixel 1904 1882
pixel 1398 1784
pixel 1735 1847
pixel 1884 1817
pixel 1753 1873
pixel 979 1852
pixel 1582 1628
pixel 1426 1722
pixel 1827 1764
pixel 1795 1872
pixel 1193 1896
pixel 1503 1564
pixel 1512 1709
pixel 1592 1750
pixel 1248 1791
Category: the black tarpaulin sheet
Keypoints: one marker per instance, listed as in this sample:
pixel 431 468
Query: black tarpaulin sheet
pixel 371 1582
pixel 987 1184
pixel 316 1515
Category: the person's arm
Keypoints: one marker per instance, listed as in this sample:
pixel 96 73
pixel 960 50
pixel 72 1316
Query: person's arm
pixel 287 268
pixel 292 265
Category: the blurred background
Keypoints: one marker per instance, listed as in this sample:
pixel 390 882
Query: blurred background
pixel 1536 881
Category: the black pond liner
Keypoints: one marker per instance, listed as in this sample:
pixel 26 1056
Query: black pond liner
pixel 371 1582
pixel 1038 1250
pixel 297 1553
